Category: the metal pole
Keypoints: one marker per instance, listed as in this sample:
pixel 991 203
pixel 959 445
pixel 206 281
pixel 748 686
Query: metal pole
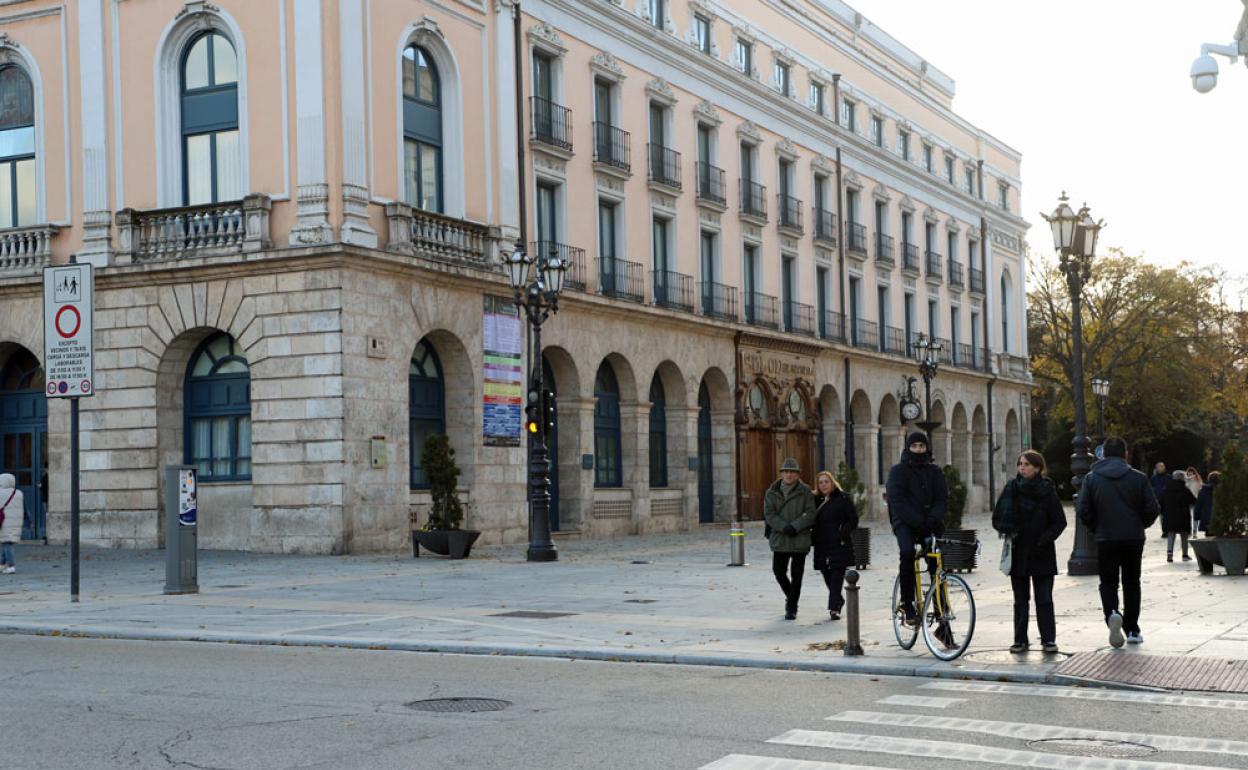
pixel 541 548
pixel 1083 559
pixel 73 500
pixel 853 642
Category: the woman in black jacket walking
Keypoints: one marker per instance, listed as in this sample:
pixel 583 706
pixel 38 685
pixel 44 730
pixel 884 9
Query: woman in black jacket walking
pixel 1176 518
pixel 835 521
pixel 1029 512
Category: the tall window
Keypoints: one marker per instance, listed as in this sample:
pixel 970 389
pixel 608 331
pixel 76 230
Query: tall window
pixel 547 212
pixel 970 180
pixel 908 320
pixel 422 130
pixel 906 221
pixel 217 405
pixel 949 169
pixel 426 406
pixel 607 451
pixel 877 131
pixel 17 149
pixel 709 274
pixel 1006 288
pixel 782 78
pixel 745 56
pixel 849 115
pixel 702 32
pixel 816 98
pixel 1003 195
pixel 658 433
pixel 211 150
pixel 821 299
pixel 903 144
pixel 927 159
pixel 658 12
pixel 659 245
pixel 933 319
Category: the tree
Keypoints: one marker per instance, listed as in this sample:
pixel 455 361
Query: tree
pixel 437 458
pixel 1230 498
pixel 957 497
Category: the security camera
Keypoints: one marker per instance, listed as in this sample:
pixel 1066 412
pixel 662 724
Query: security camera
pixel 1204 73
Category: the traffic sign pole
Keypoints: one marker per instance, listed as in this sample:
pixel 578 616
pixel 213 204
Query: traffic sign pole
pixel 73 497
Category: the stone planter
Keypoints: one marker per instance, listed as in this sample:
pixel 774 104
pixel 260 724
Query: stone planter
pixel 1230 553
pixel 455 543
pixel 958 557
pixel 861 538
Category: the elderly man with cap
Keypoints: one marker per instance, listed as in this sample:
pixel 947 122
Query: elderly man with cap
pixel 789 509
pixel 917 500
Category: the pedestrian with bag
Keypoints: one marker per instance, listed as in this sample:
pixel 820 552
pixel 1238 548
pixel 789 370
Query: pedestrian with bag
pixel 789 509
pixel 1176 513
pixel 1029 515
pixel 1117 504
pixel 917 500
pixel 835 522
pixel 12 510
pixel 1204 501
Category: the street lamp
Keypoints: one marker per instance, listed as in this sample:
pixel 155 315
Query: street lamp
pixel 537 293
pixel 1205 69
pixel 929 351
pixel 1074 239
pixel 1100 389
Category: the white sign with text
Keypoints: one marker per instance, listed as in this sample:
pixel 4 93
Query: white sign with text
pixel 68 348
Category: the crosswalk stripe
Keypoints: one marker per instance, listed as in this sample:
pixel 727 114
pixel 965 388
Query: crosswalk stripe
pixel 919 700
pixel 752 762
pixel 1032 732
pixel 965 752
pixel 1050 691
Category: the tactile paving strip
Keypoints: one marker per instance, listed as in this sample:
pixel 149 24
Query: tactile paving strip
pixel 1166 671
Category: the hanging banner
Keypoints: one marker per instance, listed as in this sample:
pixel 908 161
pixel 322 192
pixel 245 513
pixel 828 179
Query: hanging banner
pixel 503 399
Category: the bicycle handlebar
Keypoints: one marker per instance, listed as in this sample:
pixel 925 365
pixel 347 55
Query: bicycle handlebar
pixel 928 544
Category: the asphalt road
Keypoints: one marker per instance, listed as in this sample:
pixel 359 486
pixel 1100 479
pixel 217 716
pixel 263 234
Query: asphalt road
pixel 81 703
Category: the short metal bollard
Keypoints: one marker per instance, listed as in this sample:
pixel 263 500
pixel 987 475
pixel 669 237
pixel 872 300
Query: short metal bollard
pixel 736 546
pixel 853 642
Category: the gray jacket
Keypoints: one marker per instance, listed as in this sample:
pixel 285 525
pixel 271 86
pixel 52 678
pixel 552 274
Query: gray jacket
pixel 11 529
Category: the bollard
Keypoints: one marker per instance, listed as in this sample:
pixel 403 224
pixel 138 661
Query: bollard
pixel 853 643
pixel 736 545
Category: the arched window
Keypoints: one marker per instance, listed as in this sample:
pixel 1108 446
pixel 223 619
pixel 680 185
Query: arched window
pixel 1006 290
pixel 211 144
pixel 218 411
pixel 21 372
pixel 17 149
pixel 658 434
pixel 422 130
pixel 426 406
pixel 607 452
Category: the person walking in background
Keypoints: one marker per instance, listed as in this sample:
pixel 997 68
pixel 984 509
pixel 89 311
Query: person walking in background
pixel 789 509
pixel 917 500
pixel 1194 483
pixel 835 522
pixel 1117 504
pixel 1029 512
pixel 1204 501
pixel 1176 513
pixel 13 509
pixel 1159 479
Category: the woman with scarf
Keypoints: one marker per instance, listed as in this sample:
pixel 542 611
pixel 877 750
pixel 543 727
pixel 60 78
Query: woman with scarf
pixel 1030 513
pixel 835 521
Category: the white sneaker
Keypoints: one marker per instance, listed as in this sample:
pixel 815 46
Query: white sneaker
pixel 1115 629
pixel 1135 638
pixel 10 570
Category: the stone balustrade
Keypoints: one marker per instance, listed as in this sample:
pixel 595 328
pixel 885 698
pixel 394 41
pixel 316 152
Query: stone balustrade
pixel 26 249
pixel 434 236
pixel 193 231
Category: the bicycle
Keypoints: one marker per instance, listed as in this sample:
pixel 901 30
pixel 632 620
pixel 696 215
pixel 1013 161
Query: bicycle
pixel 947 617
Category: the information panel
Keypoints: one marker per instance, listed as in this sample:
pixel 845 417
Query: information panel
pixel 67 330
pixel 504 375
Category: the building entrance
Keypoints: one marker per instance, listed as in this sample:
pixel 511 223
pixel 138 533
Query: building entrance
pixel 24 438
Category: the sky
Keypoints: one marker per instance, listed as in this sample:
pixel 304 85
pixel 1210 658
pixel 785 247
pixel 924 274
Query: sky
pixel 1096 96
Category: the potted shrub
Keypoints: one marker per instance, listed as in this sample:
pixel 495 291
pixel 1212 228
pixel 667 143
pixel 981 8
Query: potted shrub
pixel 958 558
pixel 1227 544
pixel 852 485
pixel 441 533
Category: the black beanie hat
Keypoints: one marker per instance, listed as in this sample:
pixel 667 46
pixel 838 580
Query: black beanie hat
pixel 917 435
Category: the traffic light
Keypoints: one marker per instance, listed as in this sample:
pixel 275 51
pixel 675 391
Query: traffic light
pixel 548 412
pixel 533 414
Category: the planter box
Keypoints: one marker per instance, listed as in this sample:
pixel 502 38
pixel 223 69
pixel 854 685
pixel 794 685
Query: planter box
pixel 455 543
pixel 862 547
pixel 1230 553
pixel 958 557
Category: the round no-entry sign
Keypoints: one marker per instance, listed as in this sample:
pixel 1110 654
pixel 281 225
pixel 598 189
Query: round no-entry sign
pixel 68 321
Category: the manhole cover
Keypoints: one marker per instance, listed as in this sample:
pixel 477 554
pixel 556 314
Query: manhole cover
pixel 458 705
pixel 1005 656
pixel 532 614
pixel 640 601
pixel 1093 747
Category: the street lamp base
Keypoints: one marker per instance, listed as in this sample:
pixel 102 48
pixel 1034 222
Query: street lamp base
pixel 1082 565
pixel 542 553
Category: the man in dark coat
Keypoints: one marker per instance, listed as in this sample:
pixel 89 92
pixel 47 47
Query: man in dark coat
pixel 1176 518
pixel 917 500
pixel 1117 504
pixel 1158 480
pixel 789 509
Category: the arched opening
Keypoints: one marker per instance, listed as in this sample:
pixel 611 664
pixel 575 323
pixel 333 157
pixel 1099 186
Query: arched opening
pixel 716 447
pixel 217 411
pixel 608 440
pixel 422 130
pixel 960 452
pixel 890 436
pixel 19 189
pixel 24 436
pixel 832 429
pixel 658 434
pixel 940 436
pixel 212 156
pixel 426 390
pixel 864 434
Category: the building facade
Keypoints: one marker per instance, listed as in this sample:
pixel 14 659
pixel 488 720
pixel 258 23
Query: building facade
pixel 298 210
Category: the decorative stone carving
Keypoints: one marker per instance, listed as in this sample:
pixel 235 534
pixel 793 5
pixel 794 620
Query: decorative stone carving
pixel 931 215
pixel 749 132
pixel 196 8
pixel 786 149
pixel 661 201
pixel 545 36
pixel 8 42
pixel 705 112
pixel 907 204
pixel 881 193
pixel 607 65
pixel 952 225
pixel 1004 240
pixel 659 90
pixel 821 163
pixel 852 180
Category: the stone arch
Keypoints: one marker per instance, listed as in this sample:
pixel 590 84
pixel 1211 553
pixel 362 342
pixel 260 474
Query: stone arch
pixel 426 34
pixel 891 434
pixel 460 399
pixel 832 425
pixel 721 463
pixel 940 436
pixel 960 437
pixel 677 422
pixel 864 437
pixel 562 375
pixel 979 447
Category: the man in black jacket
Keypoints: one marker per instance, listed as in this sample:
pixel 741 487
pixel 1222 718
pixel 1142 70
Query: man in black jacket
pixel 1117 504
pixel 917 500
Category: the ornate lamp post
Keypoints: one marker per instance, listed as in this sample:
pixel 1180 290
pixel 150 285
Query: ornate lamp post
pixel 1100 389
pixel 537 293
pixel 928 351
pixel 1074 239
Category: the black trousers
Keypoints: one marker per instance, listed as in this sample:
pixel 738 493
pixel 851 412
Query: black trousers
pixel 906 541
pixel 788 569
pixel 834 578
pixel 1045 616
pixel 1115 557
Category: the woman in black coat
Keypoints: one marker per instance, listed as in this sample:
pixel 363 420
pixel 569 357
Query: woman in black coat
pixel 1176 517
pixel 1204 502
pixel 1030 512
pixel 835 521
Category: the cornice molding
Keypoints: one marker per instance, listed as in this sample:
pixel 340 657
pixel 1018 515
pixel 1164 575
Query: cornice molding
pixel 705 112
pixel 605 64
pixel 544 36
pixel 660 90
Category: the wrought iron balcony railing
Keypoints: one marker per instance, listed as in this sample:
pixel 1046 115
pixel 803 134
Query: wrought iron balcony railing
pixel 551 123
pixel 571 256
pixel 664 166
pixel 832 326
pixel 977 280
pixel 865 334
pixel 858 238
pixel 894 341
pixel 621 279
pixel 799 318
pixel 711 186
pixel 790 212
pixel 910 258
pixel 611 146
pixel 825 226
pixel 753 199
pixel 762 310
pixel 672 290
pixel 955 274
pixel 934 263
pixel 884 250
pixel 718 300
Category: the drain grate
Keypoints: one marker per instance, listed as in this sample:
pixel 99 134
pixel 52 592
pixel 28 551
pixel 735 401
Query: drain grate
pixel 1093 747
pixel 640 601
pixel 532 614
pixel 458 705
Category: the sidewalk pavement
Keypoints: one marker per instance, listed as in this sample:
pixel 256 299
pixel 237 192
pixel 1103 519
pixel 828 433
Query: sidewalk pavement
pixel 655 598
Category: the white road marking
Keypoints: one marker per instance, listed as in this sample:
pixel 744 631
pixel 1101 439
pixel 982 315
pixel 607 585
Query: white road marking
pixel 964 752
pixel 1079 693
pixel 1033 732
pixel 751 762
pixel 919 700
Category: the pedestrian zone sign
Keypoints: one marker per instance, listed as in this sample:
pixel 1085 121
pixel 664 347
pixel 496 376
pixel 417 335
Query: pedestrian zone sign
pixel 69 369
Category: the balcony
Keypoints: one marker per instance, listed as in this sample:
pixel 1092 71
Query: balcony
pixel 825 226
pixel 664 165
pixel 977 280
pixel 858 239
pixel 866 334
pixel 894 341
pixel 621 279
pixel 1012 366
pixel 955 275
pixel 753 199
pixel 790 213
pixel 213 230
pixel 964 356
pixel 884 251
pixel 910 258
pixel 946 350
pixel 436 237
pixel 571 256
pixel 934 263
pixel 672 290
pixel 26 249
pixel 762 310
pixel 611 147
pixel 799 318
pixel 711 185
pixel 832 326
pixel 551 124
pixel 718 300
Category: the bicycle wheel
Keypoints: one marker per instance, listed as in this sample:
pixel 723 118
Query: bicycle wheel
pixel 948 617
pixel 906 635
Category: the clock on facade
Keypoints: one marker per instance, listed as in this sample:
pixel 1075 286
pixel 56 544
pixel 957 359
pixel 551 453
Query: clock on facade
pixel 909 411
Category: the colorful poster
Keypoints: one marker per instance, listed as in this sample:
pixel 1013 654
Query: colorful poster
pixel 503 398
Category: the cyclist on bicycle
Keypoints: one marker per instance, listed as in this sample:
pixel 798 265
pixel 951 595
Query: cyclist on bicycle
pixel 917 499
